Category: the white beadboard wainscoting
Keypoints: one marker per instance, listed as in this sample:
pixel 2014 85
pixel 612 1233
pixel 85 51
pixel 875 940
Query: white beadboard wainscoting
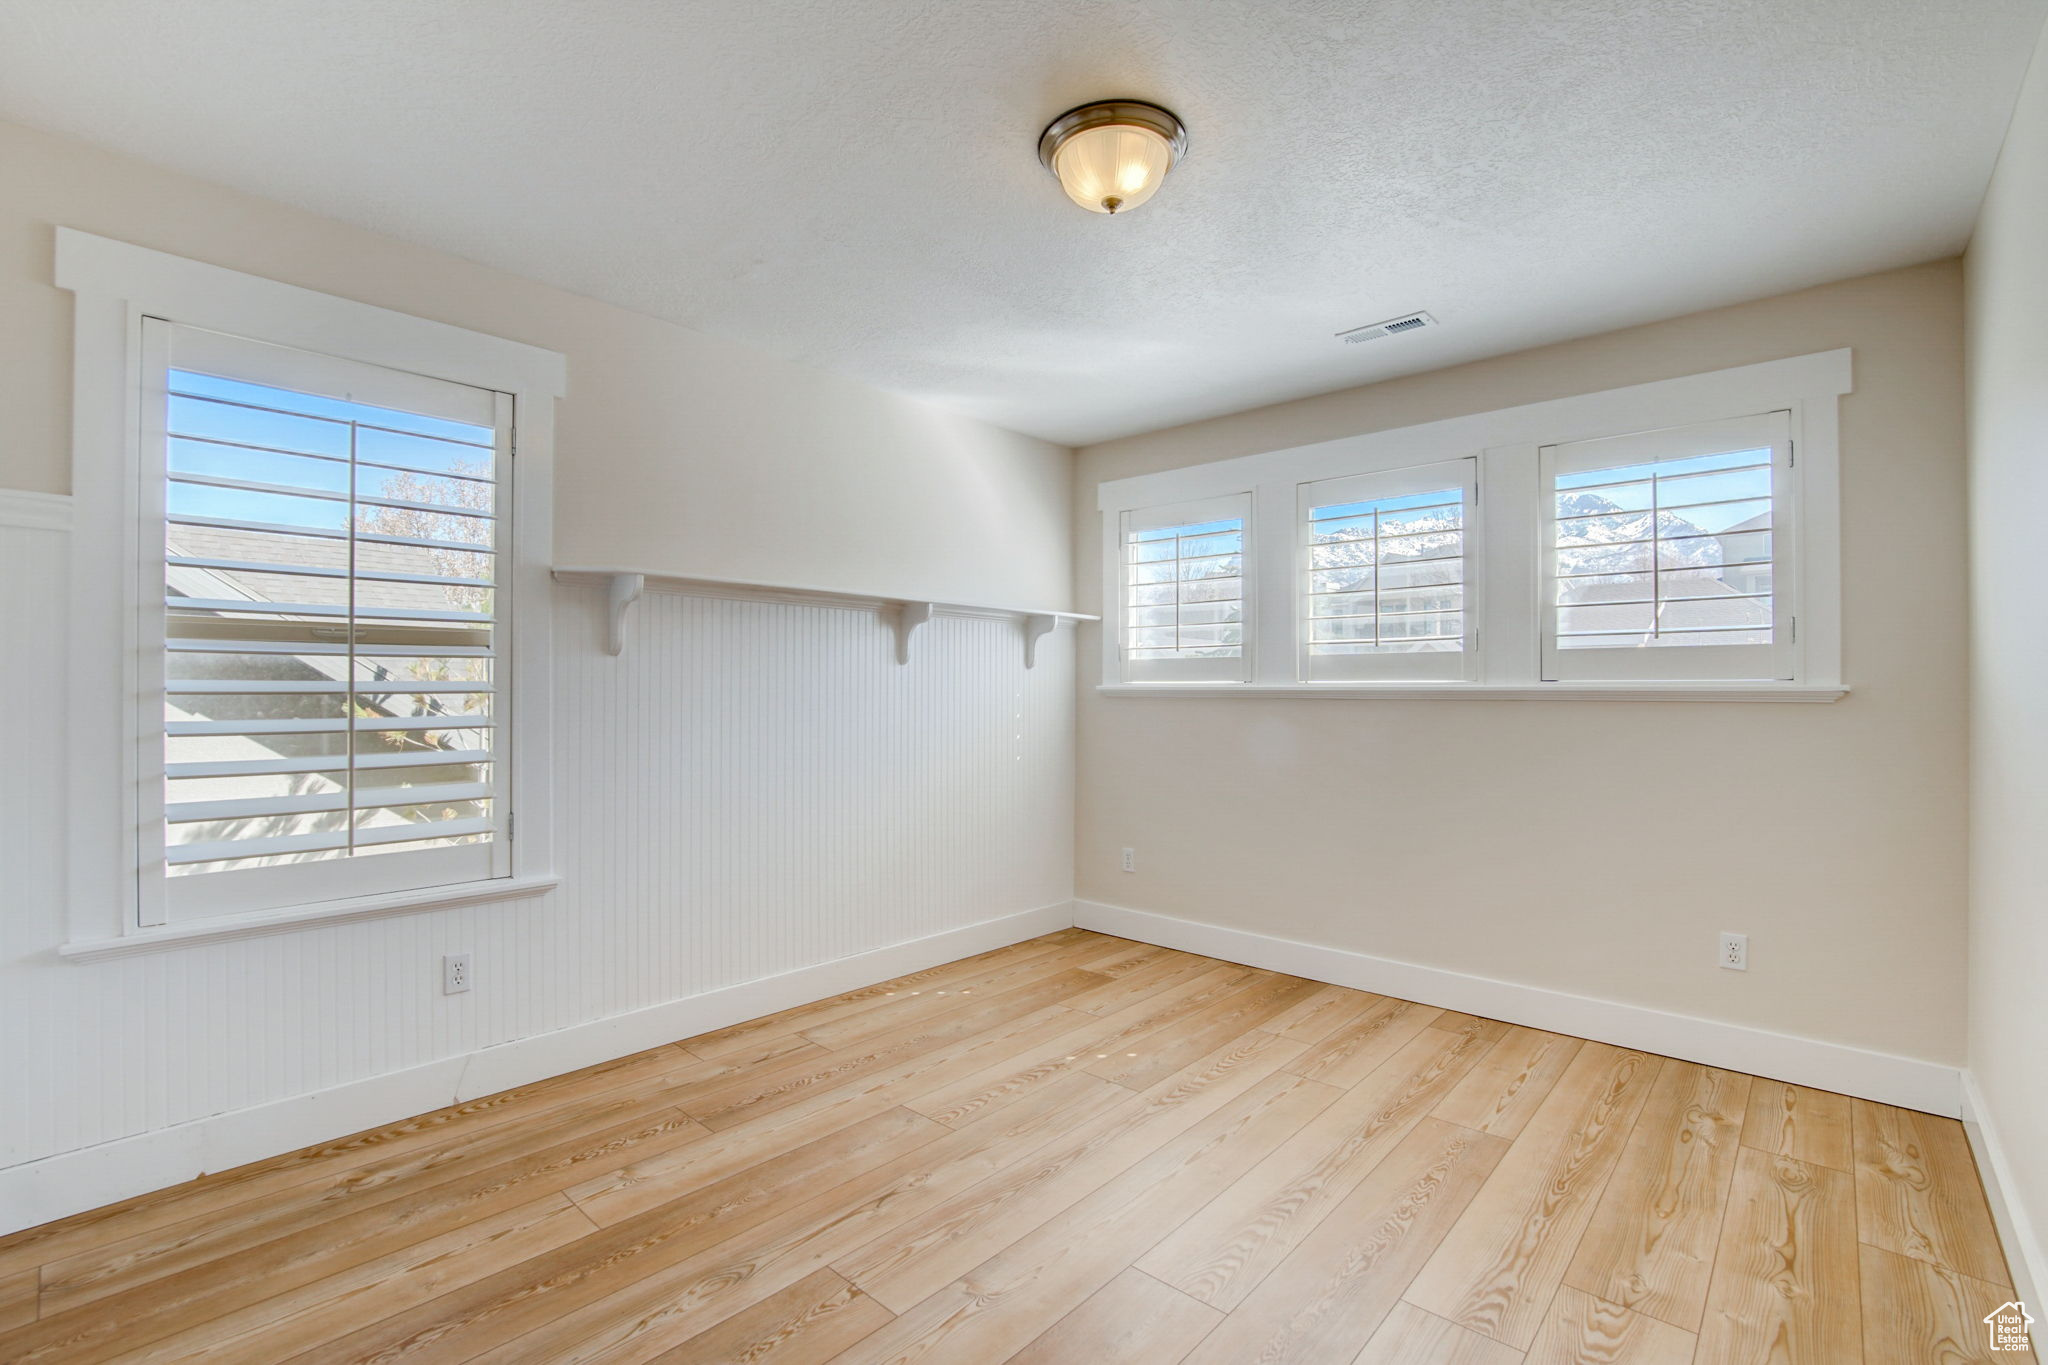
pixel 756 792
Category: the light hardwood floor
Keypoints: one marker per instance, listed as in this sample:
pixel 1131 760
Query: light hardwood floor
pixel 1076 1149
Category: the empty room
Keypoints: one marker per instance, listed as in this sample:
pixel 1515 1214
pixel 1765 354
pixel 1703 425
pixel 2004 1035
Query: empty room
pixel 1067 682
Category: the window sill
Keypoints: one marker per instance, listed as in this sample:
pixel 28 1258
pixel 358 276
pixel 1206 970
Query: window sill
pixel 1465 691
pixel 307 916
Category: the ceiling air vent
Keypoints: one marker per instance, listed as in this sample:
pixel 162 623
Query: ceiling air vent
pixel 1407 322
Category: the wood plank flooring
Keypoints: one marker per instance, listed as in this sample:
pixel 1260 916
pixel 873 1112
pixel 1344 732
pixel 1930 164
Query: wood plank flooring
pixel 1076 1149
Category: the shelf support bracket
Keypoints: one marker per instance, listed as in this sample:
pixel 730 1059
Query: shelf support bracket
pixel 909 616
pixel 621 593
pixel 1037 626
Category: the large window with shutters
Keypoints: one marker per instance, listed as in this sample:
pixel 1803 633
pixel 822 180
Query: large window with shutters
pixel 1672 540
pixel 310 570
pixel 331 623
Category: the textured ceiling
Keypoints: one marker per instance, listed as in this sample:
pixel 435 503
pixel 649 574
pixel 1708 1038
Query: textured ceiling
pixel 853 183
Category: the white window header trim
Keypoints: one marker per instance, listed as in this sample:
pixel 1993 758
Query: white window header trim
pixel 1677 402
pixel 211 296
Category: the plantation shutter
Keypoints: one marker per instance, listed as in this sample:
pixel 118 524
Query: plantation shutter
pixel 329 685
pixel 1385 579
pixel 1668 555
pixel 1182 617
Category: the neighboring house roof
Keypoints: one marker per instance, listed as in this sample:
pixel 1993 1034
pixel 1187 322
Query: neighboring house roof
pixel 216 542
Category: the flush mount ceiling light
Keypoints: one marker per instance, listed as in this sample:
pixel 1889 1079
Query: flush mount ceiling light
pixel 1111 156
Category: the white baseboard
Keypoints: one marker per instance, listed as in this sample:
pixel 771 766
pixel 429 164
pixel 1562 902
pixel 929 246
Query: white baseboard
pixel 55 1187
pixel 2025 1256
pixel 1903 1081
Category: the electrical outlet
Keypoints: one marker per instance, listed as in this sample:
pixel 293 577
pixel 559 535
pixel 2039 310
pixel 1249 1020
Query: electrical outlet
pixel 1130 860
pixel 455 976
pixel 1735 952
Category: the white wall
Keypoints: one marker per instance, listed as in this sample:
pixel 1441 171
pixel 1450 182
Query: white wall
pixel 2007 347
pixel 752 789
pixel 674 451
pixel 1597 848
pixel 748 790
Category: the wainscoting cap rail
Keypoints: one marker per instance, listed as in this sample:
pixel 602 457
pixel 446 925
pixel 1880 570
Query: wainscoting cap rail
pixel 624 587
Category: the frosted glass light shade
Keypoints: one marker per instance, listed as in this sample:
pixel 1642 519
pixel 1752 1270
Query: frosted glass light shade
pixel 1113 168
pixel 1112 156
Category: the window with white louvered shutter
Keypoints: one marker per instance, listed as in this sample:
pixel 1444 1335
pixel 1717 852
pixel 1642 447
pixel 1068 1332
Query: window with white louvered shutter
pixel 1386 584
pixel 1182 610
pixel 1667 553
pixel 331 624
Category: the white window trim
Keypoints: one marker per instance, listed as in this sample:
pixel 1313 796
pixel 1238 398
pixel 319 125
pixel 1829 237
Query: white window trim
pixel 1506 443
pixel 116 285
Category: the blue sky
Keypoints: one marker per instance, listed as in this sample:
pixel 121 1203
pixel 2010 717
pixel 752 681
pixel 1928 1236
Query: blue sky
pixel 399 443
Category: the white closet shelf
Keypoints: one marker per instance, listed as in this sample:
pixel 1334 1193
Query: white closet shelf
pixel 623 588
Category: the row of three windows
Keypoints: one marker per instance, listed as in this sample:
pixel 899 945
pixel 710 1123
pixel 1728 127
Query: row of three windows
pixel 1647 542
